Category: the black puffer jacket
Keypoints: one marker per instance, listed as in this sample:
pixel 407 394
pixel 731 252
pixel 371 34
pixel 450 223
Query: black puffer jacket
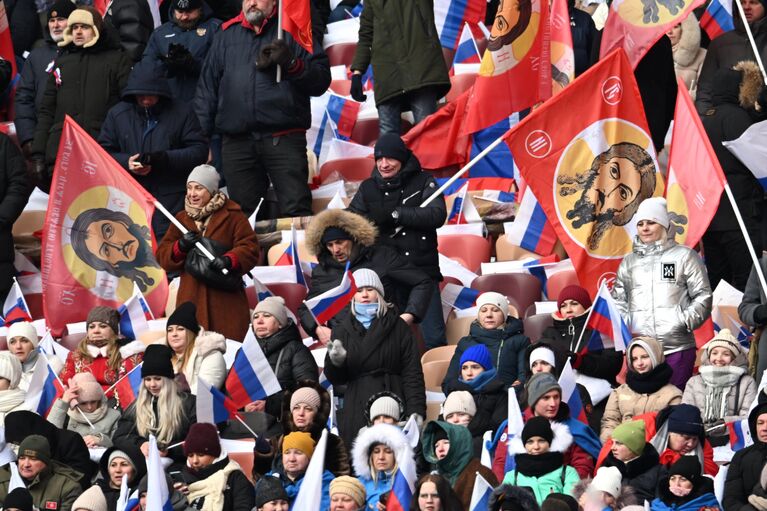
pixel 492 406
pixel 112 495
pixel 584 34
pixel 383 357
pixel 377 198
pixel 29 92
pixel 233 97
pixel 238 494
pixel 746 467
pixel 563 337
pixel 643 473
pixel 24 24
pixel 14 193
pixel 134 24
pixel 296 363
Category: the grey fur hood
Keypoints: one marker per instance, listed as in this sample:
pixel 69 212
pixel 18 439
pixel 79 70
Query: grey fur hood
pixel 688 46
pixel 360 229
pixel 208 342
pixel 386 434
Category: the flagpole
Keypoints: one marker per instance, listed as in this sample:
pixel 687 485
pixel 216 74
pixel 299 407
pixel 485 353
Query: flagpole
pixel 588 317
pixel 184 230
pixel 278 78
pixel 751 40
pixel 110 389
pixel 739 218
pixel 255 435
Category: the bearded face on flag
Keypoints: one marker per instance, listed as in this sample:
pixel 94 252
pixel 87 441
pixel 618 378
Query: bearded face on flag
pixel 512 35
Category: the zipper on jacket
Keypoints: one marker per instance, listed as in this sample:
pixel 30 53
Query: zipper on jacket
pixel 500 349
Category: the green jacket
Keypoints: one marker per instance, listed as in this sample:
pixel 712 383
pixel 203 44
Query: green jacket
pixel 57 484
pixel 561 480
pixel 461 448
pixel 400 39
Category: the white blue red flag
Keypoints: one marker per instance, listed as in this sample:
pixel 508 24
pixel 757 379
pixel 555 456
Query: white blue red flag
pixel 717 18
pixel 480 495
pixel 740 434
pixel 463 210
pixel 514 426
pixel 262 290
pixel 459 297
pixel 251 377
pixel 326 305
pixel 50 347
pixel 44 388
pixel 451 15
pixel 531 229
pixel 15 307
pixel 570 394
pixel 342 112
pixel 133 317
pixel 309 495
pixel 403 486
pixel 290 257
pixel 127 387
pixel 27 274
pixel 157 492
pixel 608 328
pixel 467 51
pixel 213 406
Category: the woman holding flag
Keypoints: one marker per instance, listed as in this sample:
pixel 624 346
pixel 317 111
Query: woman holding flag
pixel 23 342
pixel 377 453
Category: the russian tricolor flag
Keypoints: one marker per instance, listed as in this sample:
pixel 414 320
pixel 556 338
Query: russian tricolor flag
pixel 403 486
pixel 343 114
pixel 44 388
pixel 514 426
pixel 309 497
pixel 290 257
pixel 740 435
pixel 128 387
pixel 157 492
pixel 451 15
pixel 15 307
pixel 463 210
pixel 503 184
pixel 213 406
pixel 459 297
pixel 29 277
pixel 133 317
pixel 717 18
pixel 530 228
pixel 326 305
pixel 480 495
pixel 262 291
pixel 251 377
pixel 570 394
pixel 467 51
pixel 609 329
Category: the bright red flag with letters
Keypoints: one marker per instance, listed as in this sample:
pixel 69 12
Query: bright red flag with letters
pixel 97 239
pixel 297 20
pixel 695 178
pixel 589 159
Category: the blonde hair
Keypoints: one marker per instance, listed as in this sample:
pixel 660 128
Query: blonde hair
pixel 170 412
pixel 180 362
pixel 114 360
pixel 375 473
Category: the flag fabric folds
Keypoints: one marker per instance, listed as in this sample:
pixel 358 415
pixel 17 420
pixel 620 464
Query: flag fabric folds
pixel 466 52
pixel 530 228
pixel 309 495
pixel 451 15
pixel 251 377
pixel 212 405
pixel 562 53
pixel 326 305
pixel 157 492
pixel 44 388
pixel 128 387
pixel 403 486
pixel 717 18
pixel 132 318
pixel 570 394
pixel 297 21
pixel 15 307
pixel 480 495
pixel 751 150
pixel 290 257
pixel 608 328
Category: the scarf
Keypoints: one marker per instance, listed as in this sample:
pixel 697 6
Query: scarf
pixel 11 398
pixel 366 313
pixel 718 382
pixel 95 416
pixel 201 216
pixel 212 488
pixel 480 381
pixel 536 465
pixel 651 381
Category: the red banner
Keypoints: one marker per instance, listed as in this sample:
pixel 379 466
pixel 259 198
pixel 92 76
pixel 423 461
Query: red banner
pixel 695 178
pixel 297 20
pixel 515 72
pixel 589 159
pixel 562 54
pixel 636 25
pixel 97 239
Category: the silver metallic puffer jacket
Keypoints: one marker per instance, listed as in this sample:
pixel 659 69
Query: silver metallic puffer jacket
pixel 662 291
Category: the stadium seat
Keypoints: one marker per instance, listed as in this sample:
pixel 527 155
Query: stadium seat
pixel 560 280
pixel 294 294
pixel 245 461
pixel 342 87
pixel 506 251
pixel 366 131
pixel 433 409
pixel 439 353
pixel 433 374
pixel 351 169
pixel 536 324
pixel 459 84
pixel 341 54
pixel 472 249
pixel 170 305
pixel 522 289
pixel 70 341
pixel 3 343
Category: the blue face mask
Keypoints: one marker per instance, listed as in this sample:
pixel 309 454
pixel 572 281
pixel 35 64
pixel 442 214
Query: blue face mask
pixel 365 313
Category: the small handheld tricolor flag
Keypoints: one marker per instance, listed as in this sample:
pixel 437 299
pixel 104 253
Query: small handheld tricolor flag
pixel 27 274
pixel 403 486
pixel 128 387
pixel 463 210
pixel 717 18
pixel 157 493
pixel 251 377
pixel 480 495
pixel 531 229
pixel 326 305
pixel 213 406
pixel 570 394
pixel 50 347
pixel 740 434
pixel 44 388
pixel 290 257
pixel 514 426
pixel 608 328
pixel 15 307
pixel 309 495
pixel 133 317
pixel 467 51
pixel 342 113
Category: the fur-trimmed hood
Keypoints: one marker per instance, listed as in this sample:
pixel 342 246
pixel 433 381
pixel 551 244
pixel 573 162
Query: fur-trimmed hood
pixel 750 84
pixel 208 342
pixel 386 434
pixel 562 441
pixel 688 46
pixel 506 492
pixel 361 230
pixel 320 419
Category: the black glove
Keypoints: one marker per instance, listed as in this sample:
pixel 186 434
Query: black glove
pixel 39 169
pixel 262 445
pixel 760 314
pixel 356 89
pixel 26 149
pixel 157 160
pixel 180 60
pixel 187 241
pixel 381 217
pixel 221 263
pixel 275 53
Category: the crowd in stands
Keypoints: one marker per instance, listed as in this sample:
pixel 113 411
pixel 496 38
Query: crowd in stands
pixel 208 111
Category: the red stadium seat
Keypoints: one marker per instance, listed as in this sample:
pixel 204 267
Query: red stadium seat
pixel 560 280
pixel 472 249
pixel 341 54
pixel 536 324
pixel 522 289
pixel 352 169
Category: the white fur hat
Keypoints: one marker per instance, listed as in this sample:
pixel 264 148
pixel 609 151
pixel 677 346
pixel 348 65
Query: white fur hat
pixel 653 209
pixel 24 329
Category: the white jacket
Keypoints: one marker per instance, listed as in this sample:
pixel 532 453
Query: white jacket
pixel 206 360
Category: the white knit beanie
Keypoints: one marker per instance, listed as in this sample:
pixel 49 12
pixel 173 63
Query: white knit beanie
pixel 543 353
pixel 24 329
pixel 274 305
pixel 653 209
pixel 493 298
pixel 365 277
pixel 91 499
pixel 386 406
pixel 459 401
pixel 206 175
pixel 723 339
pixel 608 480
pixel 10 368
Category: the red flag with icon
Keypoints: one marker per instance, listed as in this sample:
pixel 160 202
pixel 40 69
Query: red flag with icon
pixel 297 21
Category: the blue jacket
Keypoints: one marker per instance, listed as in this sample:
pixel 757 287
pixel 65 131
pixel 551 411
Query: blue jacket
pixel 292 488
pixel 374 489
pixel 707 500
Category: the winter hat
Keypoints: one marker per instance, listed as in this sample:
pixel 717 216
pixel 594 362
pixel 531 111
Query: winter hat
pixel 186 5
pixel 538 385
pixel 104 314
pixel 723 339
pixel 559 502
pixel 347 485
pixel 390 145
pixel 83 15
pixel 479 354
pixel 89 388
pixel 439 434
pixel 61 9
pixel 651 346
pixel 576 293
pixel 185 315
pixel 685 419
pixel 653 209
pixel 333 233
pixel 632 435
pixel 305 395
pixel 544 353
pixel 687 467
pixel 537 426
pixel 299 440
pixel 157 361
pixel 368 278
pixel 20 499
pixel 202 439
pixel 36 446
pixel 10 368
pixel 91 499
pixel 269 489
pixel 493 298
pixel 117 453
pixel 608 480
pixel 387 406
pixel 206 175
pixel 459 401
pixel 24 329
pixel 275 306
pixel 512 498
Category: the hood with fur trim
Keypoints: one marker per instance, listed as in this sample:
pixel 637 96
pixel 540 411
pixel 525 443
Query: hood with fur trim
pixel 562 441
pixel 524 498
pixel 320 418
pixel 386 434
pixel 208 342
pixel 688 46
pixel 750 84
pixel 361 230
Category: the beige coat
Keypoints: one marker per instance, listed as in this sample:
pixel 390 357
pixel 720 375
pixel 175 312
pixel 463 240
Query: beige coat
pixel 688 55
pixel 623 404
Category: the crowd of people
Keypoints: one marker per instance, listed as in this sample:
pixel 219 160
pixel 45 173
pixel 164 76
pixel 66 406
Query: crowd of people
pixel 209 110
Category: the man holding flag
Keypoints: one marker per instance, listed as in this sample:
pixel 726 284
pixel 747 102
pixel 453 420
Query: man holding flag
pixel 263 122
